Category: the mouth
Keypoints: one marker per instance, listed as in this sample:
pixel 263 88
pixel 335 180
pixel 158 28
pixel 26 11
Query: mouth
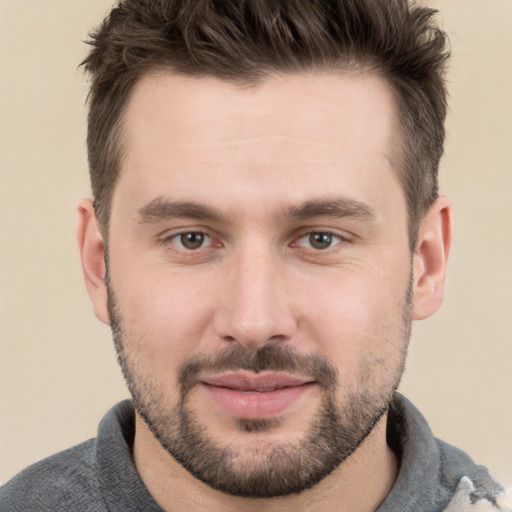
pixel 251 396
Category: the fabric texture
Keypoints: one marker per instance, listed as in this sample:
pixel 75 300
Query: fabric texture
pixel 99 475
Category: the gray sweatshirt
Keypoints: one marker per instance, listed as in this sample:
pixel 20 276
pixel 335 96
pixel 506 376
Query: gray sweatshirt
pixel 99 475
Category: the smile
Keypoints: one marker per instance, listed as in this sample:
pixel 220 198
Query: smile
pixel 255 396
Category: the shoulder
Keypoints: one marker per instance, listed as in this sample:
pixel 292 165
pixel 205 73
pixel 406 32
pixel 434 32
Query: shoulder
pixel 65 481
pixel 435 475
pixel 472 486
pixel 468 498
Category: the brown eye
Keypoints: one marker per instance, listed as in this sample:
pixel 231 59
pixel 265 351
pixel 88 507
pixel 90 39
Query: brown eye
pixel 191 240
pixel 320 240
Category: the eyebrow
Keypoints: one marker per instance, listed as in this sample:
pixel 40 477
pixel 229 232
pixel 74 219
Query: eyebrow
pixel 335 208
pixel 162 209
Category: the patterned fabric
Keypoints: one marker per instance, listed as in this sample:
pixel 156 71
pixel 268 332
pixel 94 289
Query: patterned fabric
pixel 468 499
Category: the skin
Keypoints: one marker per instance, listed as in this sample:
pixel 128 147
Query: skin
pixel 254 156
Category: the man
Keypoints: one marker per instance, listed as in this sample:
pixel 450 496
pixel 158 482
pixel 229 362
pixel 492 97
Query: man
pixel 266 225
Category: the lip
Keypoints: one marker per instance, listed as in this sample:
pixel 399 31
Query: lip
pixel 252 396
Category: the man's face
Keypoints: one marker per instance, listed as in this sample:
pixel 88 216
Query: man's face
pixel 259 273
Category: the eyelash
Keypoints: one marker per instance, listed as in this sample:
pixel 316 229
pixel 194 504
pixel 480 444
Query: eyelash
pixel 335 240
pixel 201 234
pixel 329 234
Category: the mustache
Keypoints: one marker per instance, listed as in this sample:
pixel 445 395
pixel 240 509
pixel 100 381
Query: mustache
pixel 271 357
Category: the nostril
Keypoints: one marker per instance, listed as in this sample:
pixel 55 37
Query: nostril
pixel 278 338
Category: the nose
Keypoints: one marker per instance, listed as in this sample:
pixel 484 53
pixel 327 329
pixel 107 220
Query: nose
pixel 254 305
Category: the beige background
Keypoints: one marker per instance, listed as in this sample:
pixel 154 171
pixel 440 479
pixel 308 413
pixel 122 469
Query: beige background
pixel 57 368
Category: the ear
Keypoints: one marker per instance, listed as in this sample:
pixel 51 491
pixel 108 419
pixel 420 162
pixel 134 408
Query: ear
pixel 431 257
pixel 92 255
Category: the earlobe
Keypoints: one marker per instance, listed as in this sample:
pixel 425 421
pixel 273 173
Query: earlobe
pixel 431 258
pixel 92 256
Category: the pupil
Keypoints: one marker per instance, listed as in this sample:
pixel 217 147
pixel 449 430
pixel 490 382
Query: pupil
pixel 320 240
pixel 192 240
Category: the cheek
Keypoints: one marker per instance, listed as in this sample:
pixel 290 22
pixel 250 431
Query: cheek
pixel 358 318
pixel 165 314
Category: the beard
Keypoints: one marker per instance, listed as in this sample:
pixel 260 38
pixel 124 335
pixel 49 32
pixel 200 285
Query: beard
pixel 347 414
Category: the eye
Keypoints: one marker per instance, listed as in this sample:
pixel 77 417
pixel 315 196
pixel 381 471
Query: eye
pixel 191 240
pixel 319 240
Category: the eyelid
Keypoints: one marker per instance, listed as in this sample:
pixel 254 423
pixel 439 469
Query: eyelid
pixel 337 239
pixel 169 235
pixel 179 230
pixel 206 240
pixel 308 230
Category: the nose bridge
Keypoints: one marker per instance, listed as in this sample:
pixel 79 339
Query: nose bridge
pixel 254 307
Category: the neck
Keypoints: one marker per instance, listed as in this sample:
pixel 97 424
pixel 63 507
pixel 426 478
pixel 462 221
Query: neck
pixel 359 484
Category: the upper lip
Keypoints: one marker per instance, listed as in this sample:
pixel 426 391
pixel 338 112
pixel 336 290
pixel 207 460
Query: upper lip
pixel 255 382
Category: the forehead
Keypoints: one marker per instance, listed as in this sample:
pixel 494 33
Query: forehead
pixel 183 133
pixel 292 104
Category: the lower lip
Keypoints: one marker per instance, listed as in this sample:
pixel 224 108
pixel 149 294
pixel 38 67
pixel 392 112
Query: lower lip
pixel 252 405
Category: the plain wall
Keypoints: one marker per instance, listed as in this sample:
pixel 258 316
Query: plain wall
pixel 58 373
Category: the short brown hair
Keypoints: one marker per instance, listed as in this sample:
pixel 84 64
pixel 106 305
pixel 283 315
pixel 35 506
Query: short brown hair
pixel 245 40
